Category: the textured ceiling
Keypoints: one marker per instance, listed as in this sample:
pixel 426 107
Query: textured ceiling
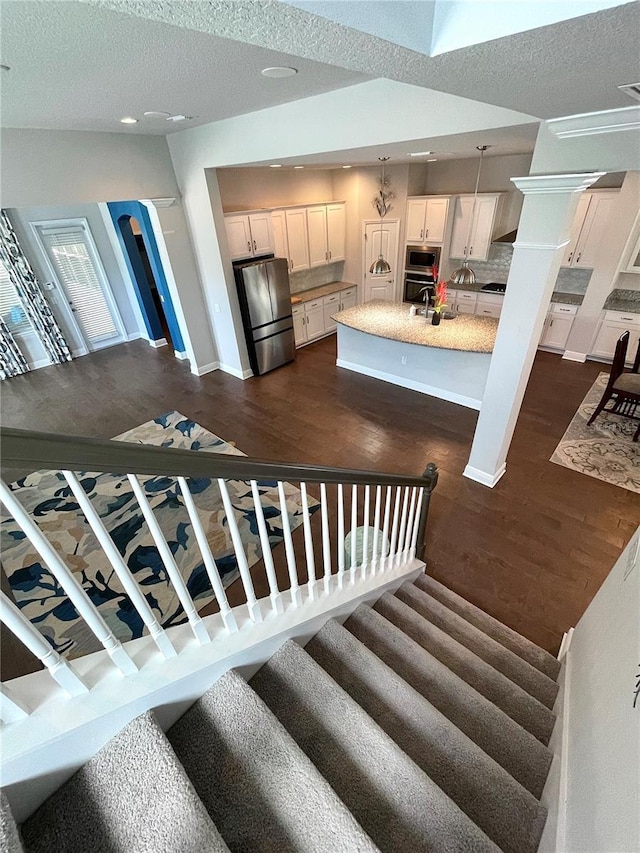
pixel 78 67
pixel 567 68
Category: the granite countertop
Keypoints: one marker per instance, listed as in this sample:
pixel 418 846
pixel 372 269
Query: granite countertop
pixel 623 300
pixel 558 295
pixel 319 292
pixel 467 333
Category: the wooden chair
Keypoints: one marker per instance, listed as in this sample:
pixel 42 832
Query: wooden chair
pixel 622 388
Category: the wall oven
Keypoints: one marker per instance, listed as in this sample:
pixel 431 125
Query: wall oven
pixel 414 287
pixel 422 259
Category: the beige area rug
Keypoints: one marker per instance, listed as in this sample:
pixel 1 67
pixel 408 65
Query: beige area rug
pixel 606 449
pixel 49 500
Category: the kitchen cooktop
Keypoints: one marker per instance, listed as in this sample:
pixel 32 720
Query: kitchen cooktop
pixel 494 287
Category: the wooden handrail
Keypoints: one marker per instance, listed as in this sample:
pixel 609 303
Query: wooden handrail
pixel 35 450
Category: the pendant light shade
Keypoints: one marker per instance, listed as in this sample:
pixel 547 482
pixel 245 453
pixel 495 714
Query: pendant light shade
pixel 464 275
pixel 381 266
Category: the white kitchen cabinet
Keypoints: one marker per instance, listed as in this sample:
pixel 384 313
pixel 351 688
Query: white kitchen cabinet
pixel 611 327
pixel 249 235
pixel 481 226
pixel 317 231
pixel 588 230
pixel 313 319
pixel 331 306
pixel 426 219
pixel 465 301
pixel 299 325
pixel 297 237
pixel 633 261
pixel 314 313
pixel 336 232
pixel 348 298
pixel 557 325
pixel 279 229
pixel 489 305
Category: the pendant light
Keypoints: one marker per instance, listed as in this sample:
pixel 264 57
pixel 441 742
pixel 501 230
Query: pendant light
pixel 464 275
pixel 380 266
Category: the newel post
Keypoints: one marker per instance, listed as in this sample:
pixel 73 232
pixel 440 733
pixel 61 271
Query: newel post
pixel 430 477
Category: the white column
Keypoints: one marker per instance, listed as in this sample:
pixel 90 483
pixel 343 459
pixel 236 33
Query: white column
pixel 547 213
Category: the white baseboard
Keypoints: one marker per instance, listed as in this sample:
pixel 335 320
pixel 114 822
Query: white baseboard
pixel 181 355
pixel 160 342
pixel 239 374
pixel 423 388
pixel 135 336
pixel 565 644
pixel 206 368
pixel 41 362
pixel 575 356
pixel 482 477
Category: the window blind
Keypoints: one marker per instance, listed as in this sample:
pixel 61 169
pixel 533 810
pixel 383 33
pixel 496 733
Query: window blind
pixel 10 307
pixel 70 254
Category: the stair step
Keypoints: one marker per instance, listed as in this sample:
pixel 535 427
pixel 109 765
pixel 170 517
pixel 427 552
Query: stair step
pixel 509 697
pixel 486 793
pixel 518 751
pixel 537 657
pixel 543 688
pixel 393 800
pixel 262 792
pixel 133 796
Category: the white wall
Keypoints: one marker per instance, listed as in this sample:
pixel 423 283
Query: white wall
pixel 250 188
pixel 603 757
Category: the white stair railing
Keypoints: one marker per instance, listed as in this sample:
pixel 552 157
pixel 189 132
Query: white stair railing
pixel 394 540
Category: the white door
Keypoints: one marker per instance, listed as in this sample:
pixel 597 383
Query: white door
pixel 416 208
pixel 461 219
pixel 336 232
pixel 591 241
pixel 381 239
pixel 317 229
pixel 576 227
pixel 261 238
pixel 314 314
pixel 238 237
pixel 78 270
pixel 279 229
pixel 297 239
pixel 435 219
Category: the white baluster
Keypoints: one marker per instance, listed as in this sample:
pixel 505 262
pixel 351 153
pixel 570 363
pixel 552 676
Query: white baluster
pixel 376 532
pixel 308 542
pixel 412 509
pixel 69 582
pixel 354 527
pixel 403 524
pixel 119 566
pixel 243 567
pixel 296 597
pixel 58 667
pixel 12 710
pixel 394 527
pixel 267 556
pixel 365 532
pixel 340 536
pixel 385 530
pixel 168 561
pixel 416 524
pixel 207 558
pixel 326 541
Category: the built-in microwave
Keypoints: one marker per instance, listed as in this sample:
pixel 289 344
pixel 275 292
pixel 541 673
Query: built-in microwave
pixel 422 259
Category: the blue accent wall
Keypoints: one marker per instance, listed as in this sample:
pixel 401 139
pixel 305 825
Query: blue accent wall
pixel 120 212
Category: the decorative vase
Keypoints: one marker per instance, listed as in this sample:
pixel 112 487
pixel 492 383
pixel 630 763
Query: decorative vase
pixel 435 319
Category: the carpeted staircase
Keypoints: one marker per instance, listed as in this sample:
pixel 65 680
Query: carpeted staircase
pixel 420 724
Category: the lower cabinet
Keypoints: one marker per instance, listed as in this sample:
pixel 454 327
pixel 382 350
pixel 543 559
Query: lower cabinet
pixel 312 320
pixel 612 326
pixel 557 326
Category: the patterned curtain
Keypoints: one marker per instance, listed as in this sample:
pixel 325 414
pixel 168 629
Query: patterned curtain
pixel 12 362
pixel 35 305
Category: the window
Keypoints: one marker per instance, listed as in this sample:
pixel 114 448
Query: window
pixel 10 306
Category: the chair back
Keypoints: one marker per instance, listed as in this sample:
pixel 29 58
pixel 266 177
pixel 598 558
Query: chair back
pixel 619 358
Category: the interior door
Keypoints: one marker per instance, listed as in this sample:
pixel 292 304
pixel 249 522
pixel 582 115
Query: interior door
pixel 381 239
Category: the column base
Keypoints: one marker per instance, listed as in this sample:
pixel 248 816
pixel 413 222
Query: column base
pixel 483 477
pixel 575 356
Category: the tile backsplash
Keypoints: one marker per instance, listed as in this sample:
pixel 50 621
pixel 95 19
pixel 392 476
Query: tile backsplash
pixel 315 277
pixel 496 268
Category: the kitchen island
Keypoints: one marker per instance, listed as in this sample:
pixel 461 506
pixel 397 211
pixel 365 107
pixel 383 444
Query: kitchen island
pixel 450 361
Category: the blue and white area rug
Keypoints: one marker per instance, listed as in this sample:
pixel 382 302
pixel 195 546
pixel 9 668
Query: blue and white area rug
pixel 605 450
pixel 46 495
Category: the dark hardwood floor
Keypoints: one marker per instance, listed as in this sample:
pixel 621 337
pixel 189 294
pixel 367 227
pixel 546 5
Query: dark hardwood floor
pixel 533 551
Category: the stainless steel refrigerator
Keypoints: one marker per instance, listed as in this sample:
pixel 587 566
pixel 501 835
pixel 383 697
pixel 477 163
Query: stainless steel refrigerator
pixel 265 303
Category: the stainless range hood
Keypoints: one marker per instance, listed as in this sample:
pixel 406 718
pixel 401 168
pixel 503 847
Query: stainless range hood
pixel 507 238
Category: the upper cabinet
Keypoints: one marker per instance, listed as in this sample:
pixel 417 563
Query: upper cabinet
pixel 297 238
pixel 279 228
pixel 426 219
pixel 249 235
pixel 481 222
pixel 633 261
pixel 317 230
pixel 336 232
pixel 593 214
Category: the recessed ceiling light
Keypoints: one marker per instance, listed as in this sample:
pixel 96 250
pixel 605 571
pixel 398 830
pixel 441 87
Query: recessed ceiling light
pixel 279 71
pixel 432 160
pixel 157 114
pixel 128 120
pixel 276 165
pixel 298 167
pixel 5 67
pixel 180 117
pixel 420 153
pixel 346 167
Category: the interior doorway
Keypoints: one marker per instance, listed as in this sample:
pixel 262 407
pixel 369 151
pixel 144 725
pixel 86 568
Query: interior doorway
pixel 380 238
pixel 153 286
